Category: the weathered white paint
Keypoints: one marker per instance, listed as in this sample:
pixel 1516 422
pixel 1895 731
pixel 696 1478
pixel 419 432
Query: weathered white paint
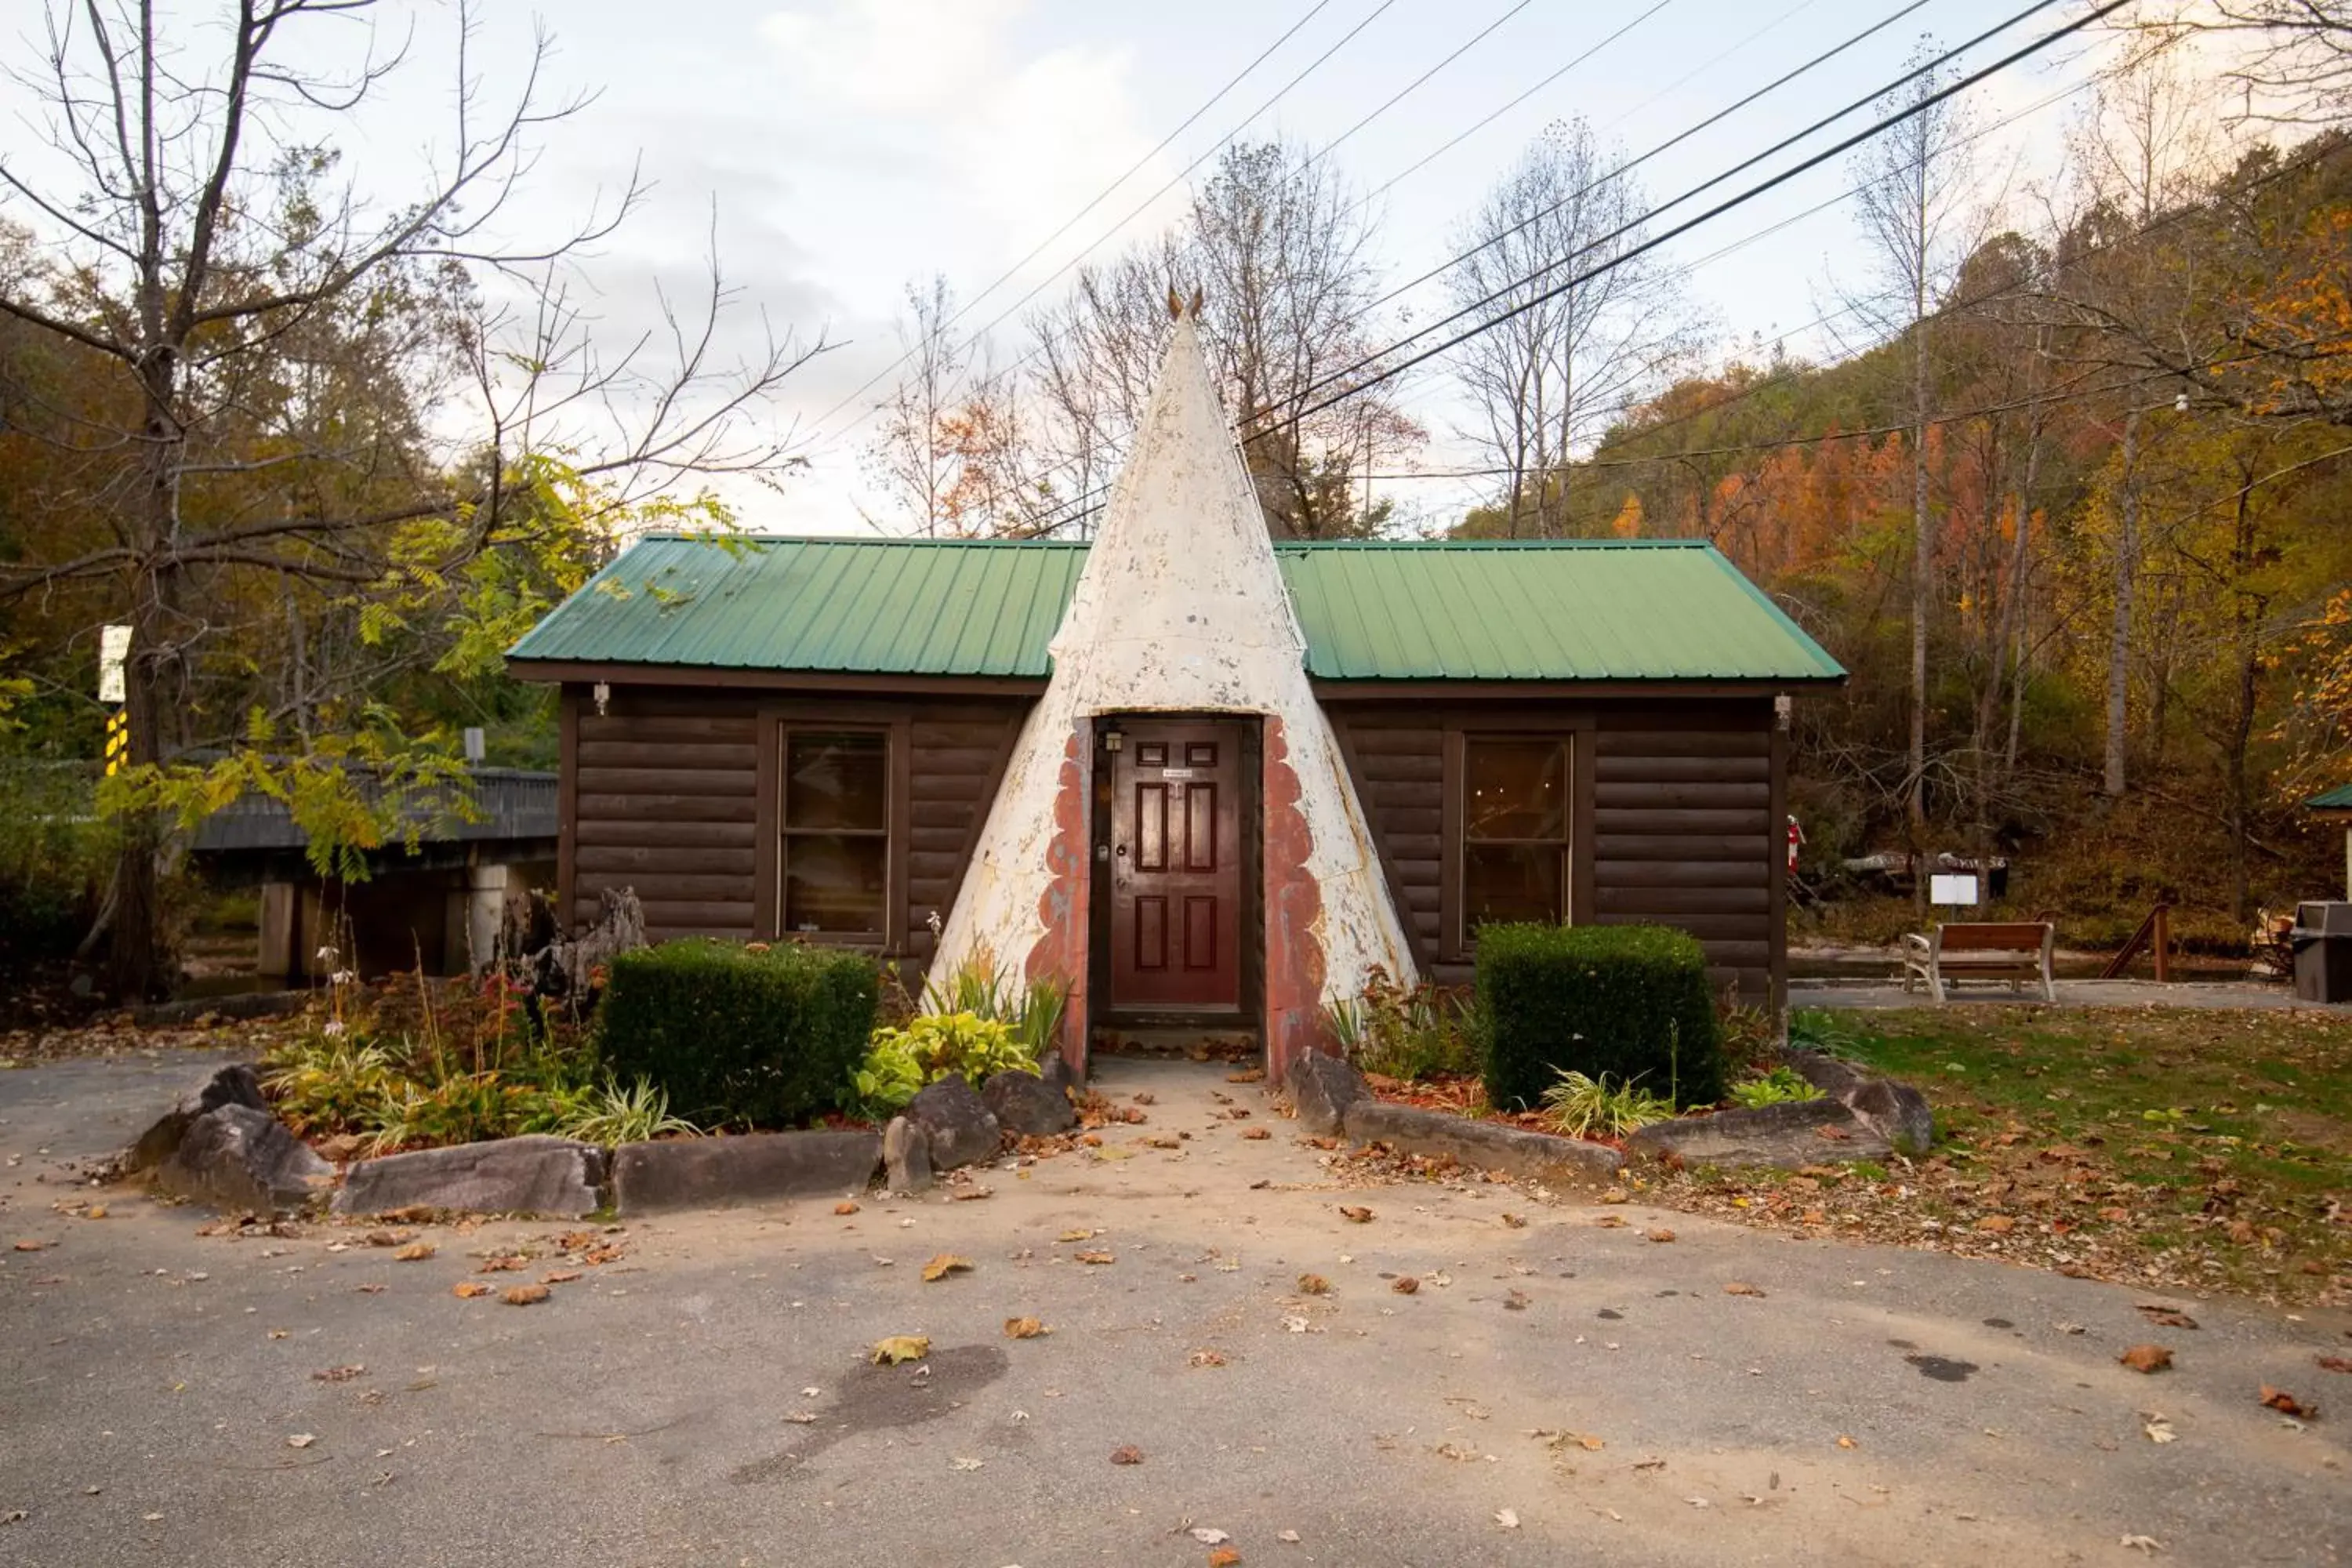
pixel 1180 608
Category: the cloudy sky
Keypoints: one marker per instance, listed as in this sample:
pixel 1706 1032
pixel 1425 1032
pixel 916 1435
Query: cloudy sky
pixel 846 147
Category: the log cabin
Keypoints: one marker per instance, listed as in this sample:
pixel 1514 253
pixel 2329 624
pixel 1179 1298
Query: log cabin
pixel 1199 777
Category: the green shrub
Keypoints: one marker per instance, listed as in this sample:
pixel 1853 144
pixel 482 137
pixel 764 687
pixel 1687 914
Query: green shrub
pixel 1406 1034
pixel 1778 1087
pixel 749 1034
pixel 899 1062
pixel 1625 1001
pixel 1581 1107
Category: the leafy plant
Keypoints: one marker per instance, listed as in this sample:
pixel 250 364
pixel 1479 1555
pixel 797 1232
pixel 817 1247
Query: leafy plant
pixel 899 1062
pixel 332 1083
pixel 1779 1087
pixel 1406 1032
pixel 980 987
pixel 1581 1107
pixel 612 1116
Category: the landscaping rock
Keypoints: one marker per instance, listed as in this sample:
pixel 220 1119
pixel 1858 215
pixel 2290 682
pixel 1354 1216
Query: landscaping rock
pixel 1058 1076
pixel 1894 1109
pixel 236 1084
pixel 1321 1088
pixel 961 1128
pixel 906 1157
pixel 236 1158
pixel 1484 1145
pixel 719 1172
pixel 1025 1103
pixel 1794 1133
pixel 533 1174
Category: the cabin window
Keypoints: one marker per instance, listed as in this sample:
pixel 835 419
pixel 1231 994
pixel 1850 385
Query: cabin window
pixel 1515 830
pixel 837 832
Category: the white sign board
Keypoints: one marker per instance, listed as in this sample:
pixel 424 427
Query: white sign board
pixel 1944 889
pixel 113 653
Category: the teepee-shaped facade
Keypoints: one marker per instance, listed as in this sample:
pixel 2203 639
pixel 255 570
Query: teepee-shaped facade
pixel 1180 609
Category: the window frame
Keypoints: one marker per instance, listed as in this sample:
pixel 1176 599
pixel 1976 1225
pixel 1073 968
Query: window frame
pixel 781 833
pixel 1462 930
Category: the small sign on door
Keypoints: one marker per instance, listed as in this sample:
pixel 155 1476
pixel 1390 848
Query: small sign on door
pixel 1178 773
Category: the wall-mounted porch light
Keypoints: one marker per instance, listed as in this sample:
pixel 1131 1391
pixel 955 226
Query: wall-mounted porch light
pixel 604 695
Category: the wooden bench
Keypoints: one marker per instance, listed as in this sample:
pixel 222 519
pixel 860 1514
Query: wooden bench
pixel 2014 951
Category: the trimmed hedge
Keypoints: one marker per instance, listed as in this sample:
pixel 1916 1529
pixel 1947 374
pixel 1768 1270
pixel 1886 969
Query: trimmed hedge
pixel 764 1034
pixel 1628 1001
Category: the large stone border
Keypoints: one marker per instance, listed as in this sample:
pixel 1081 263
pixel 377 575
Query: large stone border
pixel 1330 1097
pixel 754 1167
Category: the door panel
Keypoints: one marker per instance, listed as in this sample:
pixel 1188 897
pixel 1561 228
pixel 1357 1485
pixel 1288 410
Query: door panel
pixel 1175 867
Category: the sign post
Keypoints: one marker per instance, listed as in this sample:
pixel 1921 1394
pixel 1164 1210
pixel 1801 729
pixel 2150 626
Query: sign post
pixel 113 656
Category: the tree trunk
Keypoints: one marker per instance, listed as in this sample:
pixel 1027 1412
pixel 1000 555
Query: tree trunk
pixel 2127 579
pixel 2246 622
pixel 1922 548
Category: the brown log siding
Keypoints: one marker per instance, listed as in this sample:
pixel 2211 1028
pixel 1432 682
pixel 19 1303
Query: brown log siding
pixel 673 792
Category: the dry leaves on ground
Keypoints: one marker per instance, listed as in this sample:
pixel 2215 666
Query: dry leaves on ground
pixel 1356 1213
pixel 845 1207
pixel 2286 1404
pixel 469 1289
pixel 561 1277
pixel 1255 1133
pixel 1076 1236
pixel 1097 1257
pixel 1662 1233
pixel 1223 1557
pixel 1406 1284
pixel 524 1295
pixel 2166 1317
pixel 1023 1328
pixel 504 1263
pixel 1741 1287
pixel 1126 1454
pixel 1314 1285
pixel 1206 1358
pixel 945 1264
pixel 1846 1442
pixel 2146 1358
pixel 1515 1221
pixel 2335 1363
pixel 899 1348
pixel 414 1252
pixel 337 1373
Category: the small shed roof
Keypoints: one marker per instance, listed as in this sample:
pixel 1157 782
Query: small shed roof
pixel 1439 610
pixel 2337 799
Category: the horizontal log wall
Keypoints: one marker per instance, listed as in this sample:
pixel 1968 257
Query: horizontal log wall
pixel 1674 822
pixel 667 795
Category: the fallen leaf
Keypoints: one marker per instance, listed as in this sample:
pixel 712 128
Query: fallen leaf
pixel 1356 1213
pixel 1505 1520
pixel 1223 1557
pixel 801 1417
pixel 1610 1222
pixel 95 1211
pixel 29 1245
pixel 337 1373
pixel 2160 1430
pixel 2335 1363
pixel 1662 1234
pixel 2139 1543
pixel 2286 1404
pixel 966 1463
pixel 1314 1285
pixel 1515 1221
pixel 1515 1300
pixel 973 1195
pixel 524 1295
pixel 1255 1132
pixel 1996 1223
pixel 300 1440
pixel 390 1238
pixel 1206 1358
pixel 2146 1358
pixel 414 1252
pixel 1126 1454
pixel 845 1206
pixel 945 1264
pixel 1741 1287
pixel 1287 1537
pixel 505 1263
pixel 1846 1442
pixel 1076 1236
pixel 1096 1258
pixel 1023 1328
pixel 899 1348
pixel 561 1277
pixel 1406 1284
pixel 1208 1536
pixel 469 1289
pixel 2166 1317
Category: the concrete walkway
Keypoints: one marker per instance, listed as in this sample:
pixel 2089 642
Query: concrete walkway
pixel 2221 994
pixel 706 1398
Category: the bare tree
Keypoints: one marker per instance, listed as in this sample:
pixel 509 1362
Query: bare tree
pixel 1917 205
pixel 1281 254
pixel 1550 376
pixel 910 459
pixel 2292 59
pixel 211 260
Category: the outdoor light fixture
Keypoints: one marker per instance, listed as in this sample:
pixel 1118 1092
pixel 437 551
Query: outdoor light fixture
pixel 1112 740
pixel 1780 712
pixel 604 698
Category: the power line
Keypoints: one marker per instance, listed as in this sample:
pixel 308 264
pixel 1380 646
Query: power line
pixel 1312 66
pixel 1408 89
pixel 1924 103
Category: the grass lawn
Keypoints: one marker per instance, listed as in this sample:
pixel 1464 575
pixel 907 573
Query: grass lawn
pixel 2196 1149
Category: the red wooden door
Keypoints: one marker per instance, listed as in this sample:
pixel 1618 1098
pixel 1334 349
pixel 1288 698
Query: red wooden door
pixel 1176 867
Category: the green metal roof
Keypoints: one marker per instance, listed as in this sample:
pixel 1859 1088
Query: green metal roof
pixel 2337 799
pixel 1438 610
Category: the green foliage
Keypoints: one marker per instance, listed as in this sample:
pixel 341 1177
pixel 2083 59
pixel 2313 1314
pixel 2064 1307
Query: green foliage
pixel 1779 1087
pixel 1404 1033
pixel 332 1082
pixel 1581 1107
pixel 899 1062
pixel 1628 1001
pixel 980 987
pixel 53 857
pixel 750 1035
pixel 612 1116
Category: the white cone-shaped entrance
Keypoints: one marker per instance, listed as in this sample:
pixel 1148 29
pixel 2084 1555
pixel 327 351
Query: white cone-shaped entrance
pixel 1181 609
